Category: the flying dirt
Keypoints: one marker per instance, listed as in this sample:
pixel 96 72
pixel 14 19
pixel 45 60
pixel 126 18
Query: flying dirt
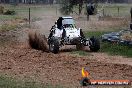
pixel 38 41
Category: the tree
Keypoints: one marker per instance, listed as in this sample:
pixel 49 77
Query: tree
pixel 51 1
pixel 67 6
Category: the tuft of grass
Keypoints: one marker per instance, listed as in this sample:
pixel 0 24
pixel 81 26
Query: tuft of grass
pixel 94 33
pixel 7 27
pixel 36 19
pixel 8 82
pixel 80 53
pixel 116 49
pixel 8 17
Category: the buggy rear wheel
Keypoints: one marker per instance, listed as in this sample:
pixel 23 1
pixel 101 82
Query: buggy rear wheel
pixel 94 44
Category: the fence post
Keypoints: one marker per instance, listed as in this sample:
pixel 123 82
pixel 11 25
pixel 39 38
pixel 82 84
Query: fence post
pixel 118 10
pixel 29 17
pixel 56 10
pixel 87 17
pixel 103 13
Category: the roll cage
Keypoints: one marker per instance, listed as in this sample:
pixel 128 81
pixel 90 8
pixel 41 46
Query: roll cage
pixel 66 22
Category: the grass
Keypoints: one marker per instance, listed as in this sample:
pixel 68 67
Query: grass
pixel 112 9
pixel 115 49
pixel 80 53
pixel 23 10
pixel 9 82
pixel 7 27
pixel 112 49
pixel 8 17
pixel 36 19
pixel 94 33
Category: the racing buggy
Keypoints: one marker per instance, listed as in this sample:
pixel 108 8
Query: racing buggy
pixel 64 32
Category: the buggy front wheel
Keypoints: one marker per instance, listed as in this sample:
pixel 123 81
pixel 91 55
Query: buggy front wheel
pixel 54 46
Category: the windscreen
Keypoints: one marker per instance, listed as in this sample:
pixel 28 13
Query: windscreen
pixel 68 21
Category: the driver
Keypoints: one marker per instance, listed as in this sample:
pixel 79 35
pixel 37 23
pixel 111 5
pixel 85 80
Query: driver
pixel 59 23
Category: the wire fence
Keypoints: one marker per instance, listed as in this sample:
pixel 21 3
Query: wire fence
pixel 119 10
pixel 50 13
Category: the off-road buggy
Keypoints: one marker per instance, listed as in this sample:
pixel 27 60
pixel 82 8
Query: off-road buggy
pixel 64 32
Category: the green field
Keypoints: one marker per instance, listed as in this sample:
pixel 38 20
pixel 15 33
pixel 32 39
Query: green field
pixel 112 9
pixel 9 82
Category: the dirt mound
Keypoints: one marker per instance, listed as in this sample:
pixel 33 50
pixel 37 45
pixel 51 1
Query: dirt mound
pixel 38 41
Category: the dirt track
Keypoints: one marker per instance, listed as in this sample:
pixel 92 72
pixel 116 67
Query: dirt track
pixel 19 60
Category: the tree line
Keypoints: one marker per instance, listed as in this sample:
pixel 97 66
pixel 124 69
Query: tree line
pixel 59 1
pixel 28 1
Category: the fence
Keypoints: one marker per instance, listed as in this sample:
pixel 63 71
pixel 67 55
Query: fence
pixel 116 10
pixel 48 14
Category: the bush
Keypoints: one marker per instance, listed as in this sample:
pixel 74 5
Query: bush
pixel 1 9
pixel 9 12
